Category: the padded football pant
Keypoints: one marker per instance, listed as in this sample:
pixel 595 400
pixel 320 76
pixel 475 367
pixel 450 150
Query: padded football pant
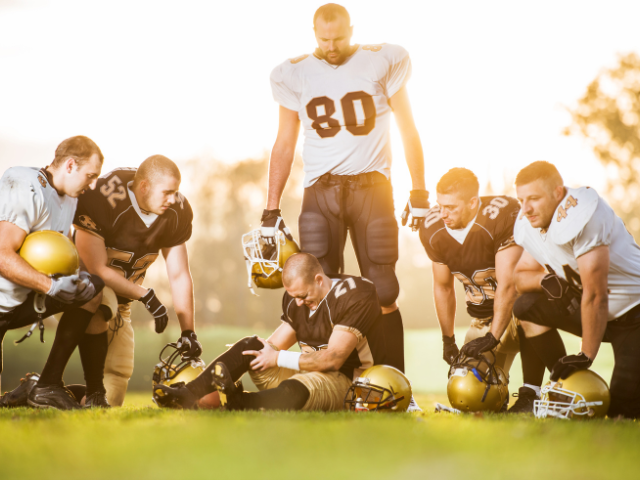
pixel 118 366
pixel 327 390
pixel 623 333
pixel 509 345
pixel 25 314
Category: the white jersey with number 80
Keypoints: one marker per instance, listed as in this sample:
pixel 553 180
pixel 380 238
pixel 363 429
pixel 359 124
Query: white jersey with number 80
pixel 344 109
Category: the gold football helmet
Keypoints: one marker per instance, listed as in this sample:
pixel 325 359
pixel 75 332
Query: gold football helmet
pixel 166 373
pixel 265 262
pixel 583 394
pixel 476 385
pixel 50 253
pixel 380 388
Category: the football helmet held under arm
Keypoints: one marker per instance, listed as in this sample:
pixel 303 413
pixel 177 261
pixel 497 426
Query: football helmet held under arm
pixel 50 253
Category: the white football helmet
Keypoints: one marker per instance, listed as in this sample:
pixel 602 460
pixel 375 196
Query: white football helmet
pixel 265 262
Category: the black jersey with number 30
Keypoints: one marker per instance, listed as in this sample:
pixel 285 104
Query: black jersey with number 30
pixel 132 247
pixel 474 261
pixel 351 305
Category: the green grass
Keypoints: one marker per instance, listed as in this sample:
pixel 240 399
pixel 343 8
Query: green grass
pixel 140 441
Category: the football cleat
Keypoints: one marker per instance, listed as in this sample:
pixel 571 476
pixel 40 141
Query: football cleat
pixel 230 392
pixel 97 400
pixel 413 406
pixel 18 396
pixel 52 396
pixel 524 404
pixel 380 388
pixel 476 385
pixel 583 394
pixel 176 396
pixel 265 262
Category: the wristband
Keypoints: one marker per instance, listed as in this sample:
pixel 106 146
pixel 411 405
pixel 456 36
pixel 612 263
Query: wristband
pixel 290 360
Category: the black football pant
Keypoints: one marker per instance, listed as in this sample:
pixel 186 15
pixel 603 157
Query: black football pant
pixel 363 206
pixel 623 333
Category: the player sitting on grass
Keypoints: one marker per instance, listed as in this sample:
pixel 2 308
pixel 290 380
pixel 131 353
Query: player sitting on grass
pixel 336 322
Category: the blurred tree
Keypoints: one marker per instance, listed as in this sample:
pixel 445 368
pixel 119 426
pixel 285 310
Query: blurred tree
pixel 608 116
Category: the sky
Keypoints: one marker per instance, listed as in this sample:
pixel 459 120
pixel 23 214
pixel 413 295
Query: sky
pixel 490 87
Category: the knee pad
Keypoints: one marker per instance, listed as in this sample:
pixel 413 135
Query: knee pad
pixel 315 234
pixel 386 282
pixel 382 241
pixel 523 305
pixel 249 343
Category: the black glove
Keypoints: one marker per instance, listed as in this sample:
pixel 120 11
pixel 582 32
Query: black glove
pixel 564 294
pixel 480 345
pixel 449 348
pixel 157 309
pixel 568 365
pixel 72 288
pixel 418 207
pixel 271 222
pixel 189 346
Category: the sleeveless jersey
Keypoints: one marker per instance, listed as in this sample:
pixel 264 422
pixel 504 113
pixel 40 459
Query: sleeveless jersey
pixel 582 222
pixel 344 109
pixel 112 213
pixel 473 261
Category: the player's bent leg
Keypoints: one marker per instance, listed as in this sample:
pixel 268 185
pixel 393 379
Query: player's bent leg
pixel 118 366
pixel 327 390
pixel 288 395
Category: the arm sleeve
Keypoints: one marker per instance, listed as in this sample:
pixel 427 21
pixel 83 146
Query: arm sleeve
pixel 93 214
pixel 283 93
pixel 184 227
pixel 504 233
pixel 20 204
pixel 399 72
pixel 596 232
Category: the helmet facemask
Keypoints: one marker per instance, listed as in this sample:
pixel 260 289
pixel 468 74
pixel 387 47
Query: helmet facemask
pixel 364 396
pixel 560 403
pixel 166 372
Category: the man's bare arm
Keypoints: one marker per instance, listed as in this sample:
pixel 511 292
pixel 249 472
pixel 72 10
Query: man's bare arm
pixel 528 274
pixel 594 274
pixel 401 107
pixel 93 253
pixel 12 266
pixel 282 156
pixel 341 344
pixel 444 296
pixel 506 293
pixel 284 337
pixel 181 282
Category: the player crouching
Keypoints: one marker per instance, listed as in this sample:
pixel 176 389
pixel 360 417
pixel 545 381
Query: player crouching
pixel 336 323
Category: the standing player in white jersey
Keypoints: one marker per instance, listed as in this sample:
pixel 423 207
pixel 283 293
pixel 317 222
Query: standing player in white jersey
pixel 33 200
pixel 343 95
pixel 580 272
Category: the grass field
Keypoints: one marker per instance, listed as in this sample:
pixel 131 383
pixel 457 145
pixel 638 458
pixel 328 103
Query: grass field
pixel 139 441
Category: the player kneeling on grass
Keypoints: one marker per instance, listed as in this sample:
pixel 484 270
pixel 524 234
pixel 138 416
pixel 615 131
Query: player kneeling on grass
pixel 121 228
pixel 336 323
pixel 33 200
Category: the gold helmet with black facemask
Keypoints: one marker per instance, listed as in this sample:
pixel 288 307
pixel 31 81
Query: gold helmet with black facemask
pixel 380 388
pixel 173 368
pixel 477 384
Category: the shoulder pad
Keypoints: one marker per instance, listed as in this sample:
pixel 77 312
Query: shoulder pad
pixel 296 60
pixel 573 213
pixel 393 52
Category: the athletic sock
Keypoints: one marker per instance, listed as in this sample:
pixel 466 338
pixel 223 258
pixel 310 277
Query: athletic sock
pixel 289 395
pixel 394 339
pixel 236 362
pixel 549 347
pixel 69 333
pixel 93 354
pixel 532 365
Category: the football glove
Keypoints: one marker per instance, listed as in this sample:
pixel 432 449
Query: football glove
pixel 449 348
pixel 271 221
pixel 189 346
pixel 72 288
pixel 417 207
pixel 566 296
pixel 155 307
pixel 480 345
pixel 568 365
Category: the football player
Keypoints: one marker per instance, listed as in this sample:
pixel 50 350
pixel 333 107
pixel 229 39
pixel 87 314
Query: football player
pixel 336 323
pixel 121 227
pixel 470 238
pixel 33 200
pixel 344 95
pixel 580 272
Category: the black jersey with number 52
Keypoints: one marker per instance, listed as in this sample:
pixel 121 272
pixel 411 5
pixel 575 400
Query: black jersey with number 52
pixel 474 261
pixel 132 247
